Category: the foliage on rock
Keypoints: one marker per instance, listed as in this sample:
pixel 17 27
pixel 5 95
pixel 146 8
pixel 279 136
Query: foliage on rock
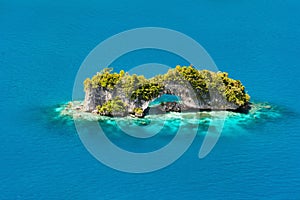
pixel 147 91
pixel 138 112
pixel 104 79
pixel 137 88
pixel 114 107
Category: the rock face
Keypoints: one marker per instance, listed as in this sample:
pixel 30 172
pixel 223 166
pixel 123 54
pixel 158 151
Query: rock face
pixel 189 100
pixel 198 90
pixel 192 99
pixel 96 96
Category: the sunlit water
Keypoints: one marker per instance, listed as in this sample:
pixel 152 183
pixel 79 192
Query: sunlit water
pixel 42 45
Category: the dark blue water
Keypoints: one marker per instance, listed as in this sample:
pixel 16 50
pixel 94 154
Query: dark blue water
pixel 42 45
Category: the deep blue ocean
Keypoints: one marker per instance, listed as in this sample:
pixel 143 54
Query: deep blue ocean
pixel 42 45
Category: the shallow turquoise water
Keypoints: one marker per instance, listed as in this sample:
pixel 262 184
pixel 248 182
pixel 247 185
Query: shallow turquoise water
pixel 42 47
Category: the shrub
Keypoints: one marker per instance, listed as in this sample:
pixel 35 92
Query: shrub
pixel 138 111
pixel 147 92
pixel 104 79
pixel 139 88
pixel 112 107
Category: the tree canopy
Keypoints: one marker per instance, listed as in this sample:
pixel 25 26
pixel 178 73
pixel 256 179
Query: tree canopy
pixel 139 88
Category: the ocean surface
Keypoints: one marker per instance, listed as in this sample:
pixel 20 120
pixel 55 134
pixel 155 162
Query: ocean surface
pixel 42 45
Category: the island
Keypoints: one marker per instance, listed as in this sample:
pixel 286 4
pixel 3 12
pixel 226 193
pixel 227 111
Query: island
pixel 181 89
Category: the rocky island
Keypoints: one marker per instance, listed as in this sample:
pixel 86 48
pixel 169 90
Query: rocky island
pixel 181 89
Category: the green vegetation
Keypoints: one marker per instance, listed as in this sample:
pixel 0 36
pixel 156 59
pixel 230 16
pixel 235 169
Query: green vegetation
pixel 205 82
pixel 234 90
pixel 104 79
pixel 129 83
pixel 114 107
pixel 197 79
pixel 147 91
pixel 138 111
pixel 137 88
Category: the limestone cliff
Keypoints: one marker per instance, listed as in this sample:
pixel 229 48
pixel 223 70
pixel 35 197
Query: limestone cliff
pixel 120 94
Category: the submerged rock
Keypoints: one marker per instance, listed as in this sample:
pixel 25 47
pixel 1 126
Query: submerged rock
pixel 259 112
